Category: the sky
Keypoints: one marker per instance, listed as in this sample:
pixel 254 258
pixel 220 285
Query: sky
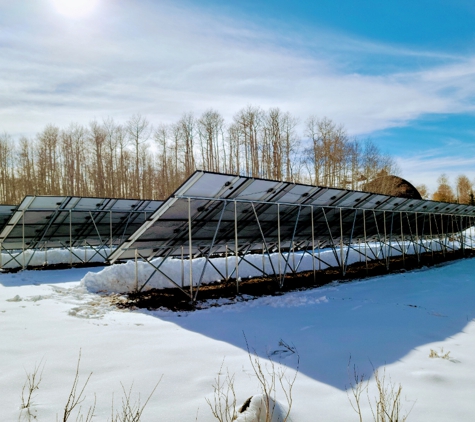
pixel 401 73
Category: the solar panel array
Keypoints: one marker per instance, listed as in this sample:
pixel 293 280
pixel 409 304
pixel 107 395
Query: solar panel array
pixel 218 208
pixel 222 211
pixel 69 221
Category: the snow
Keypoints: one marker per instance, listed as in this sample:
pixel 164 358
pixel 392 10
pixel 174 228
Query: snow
pixel 391 323
pixel 258 409
pixel 124 278
pixel 37 258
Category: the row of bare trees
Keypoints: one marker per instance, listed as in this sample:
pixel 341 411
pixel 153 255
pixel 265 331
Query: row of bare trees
pixel 138 160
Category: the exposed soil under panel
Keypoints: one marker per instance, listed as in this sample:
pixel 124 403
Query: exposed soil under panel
pixel 176 300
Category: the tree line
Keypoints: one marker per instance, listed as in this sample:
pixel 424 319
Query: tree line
pixel 461 192
pixel 139 160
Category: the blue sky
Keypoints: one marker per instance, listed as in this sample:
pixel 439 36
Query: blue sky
pixel 401 73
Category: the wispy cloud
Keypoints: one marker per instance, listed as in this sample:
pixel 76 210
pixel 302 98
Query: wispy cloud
pixel 426 166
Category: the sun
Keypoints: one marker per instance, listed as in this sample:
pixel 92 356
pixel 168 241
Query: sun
pixel 74 8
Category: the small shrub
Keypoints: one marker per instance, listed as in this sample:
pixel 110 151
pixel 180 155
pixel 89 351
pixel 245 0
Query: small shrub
pixel 434 354
pixel 386 406
pixel 32 383
pixel 130 411
pixel 270 377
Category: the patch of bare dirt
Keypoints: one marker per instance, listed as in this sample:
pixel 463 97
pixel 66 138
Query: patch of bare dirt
pixel 174 299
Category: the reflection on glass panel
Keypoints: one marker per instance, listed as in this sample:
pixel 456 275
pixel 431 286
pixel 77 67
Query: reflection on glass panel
pixel 394 204
pixel 209 185
pixel 328 197
pixel 351 199
pixel 89 203
pixel 298 193
pixel 259 190
pixel 376 201
pixel 49 202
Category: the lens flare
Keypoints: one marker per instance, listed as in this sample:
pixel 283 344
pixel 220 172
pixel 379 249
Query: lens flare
pixel 75 8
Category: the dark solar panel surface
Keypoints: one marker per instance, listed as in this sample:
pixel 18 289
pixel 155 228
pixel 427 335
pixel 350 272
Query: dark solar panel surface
pixel 58 221
pixel 210 198
pixel 6 212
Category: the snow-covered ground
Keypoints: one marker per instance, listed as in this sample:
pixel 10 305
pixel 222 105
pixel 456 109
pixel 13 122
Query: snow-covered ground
pixel 47 317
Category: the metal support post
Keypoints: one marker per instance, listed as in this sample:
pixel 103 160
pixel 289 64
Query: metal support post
pixel 342 263
pixel 278 244
pixel 210 251
pixel 403 244
pixel 190 248
pixel 236 246
pixel 263 237
pixel 263 259
pixel 226 262
pixel 291 242
pixel 111 234
pixel 386 248
pixel 365 241
pixel 313 242
pixel 136 271
pixel 335 254
pixel 430 234
pixel 182 267
pixel 23 236
pixel 417 237
pixel 345 266
pixel 70 239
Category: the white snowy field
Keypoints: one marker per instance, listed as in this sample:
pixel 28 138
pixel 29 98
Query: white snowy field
pixel 392 322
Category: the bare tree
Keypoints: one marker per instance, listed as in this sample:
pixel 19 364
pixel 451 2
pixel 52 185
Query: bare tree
pixel 423 190
pixel 185 130
pixel 234 165
pixel 444 192
pixel 48 168
pixel 139 131
pixel 164 162
pixel 111 155
pixel 248 122
pixel 75 158
pixel 97 140
pixel 26 175
pixel 210 130
pixel 464 188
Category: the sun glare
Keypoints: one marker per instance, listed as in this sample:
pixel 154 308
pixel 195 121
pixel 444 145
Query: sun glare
pixel 74 8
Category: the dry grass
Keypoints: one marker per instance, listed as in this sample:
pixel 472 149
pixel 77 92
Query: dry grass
pixel 31 385
pixel 271 378
pixel 442 355
pixel 386 405
pixel 130 410
pixel 223 405
pixel 76 397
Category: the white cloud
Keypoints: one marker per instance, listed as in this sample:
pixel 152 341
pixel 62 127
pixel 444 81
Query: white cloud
pixel 426 167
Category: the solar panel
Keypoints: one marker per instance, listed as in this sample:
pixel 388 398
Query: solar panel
pixel 6 212
pixel 60 221
pixel 220 207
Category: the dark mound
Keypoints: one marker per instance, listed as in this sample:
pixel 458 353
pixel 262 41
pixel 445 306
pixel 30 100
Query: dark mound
pixel 392 185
